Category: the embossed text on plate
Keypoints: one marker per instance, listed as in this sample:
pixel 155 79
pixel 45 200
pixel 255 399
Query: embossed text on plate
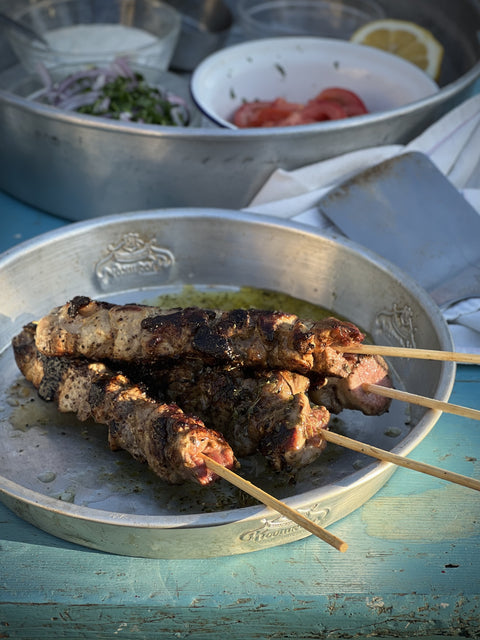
pixel 398 325
pixel 282 527
pixel 132 257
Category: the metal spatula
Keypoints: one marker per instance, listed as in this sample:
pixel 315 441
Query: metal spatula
pixel 407 211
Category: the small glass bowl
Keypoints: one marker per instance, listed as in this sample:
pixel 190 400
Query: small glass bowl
pixel 323 18
pixel 31 86
pixel 144 31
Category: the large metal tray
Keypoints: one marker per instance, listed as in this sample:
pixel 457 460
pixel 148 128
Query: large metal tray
pixel 80 167
pixel 59 474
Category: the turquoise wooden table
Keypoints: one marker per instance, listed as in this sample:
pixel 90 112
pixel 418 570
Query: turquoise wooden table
pixel 412 568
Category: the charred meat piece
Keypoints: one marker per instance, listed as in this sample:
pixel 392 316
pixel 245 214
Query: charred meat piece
pixel 286 447
pixel 246 338
pixel 347 393
pixel 162 435
pixel 255 410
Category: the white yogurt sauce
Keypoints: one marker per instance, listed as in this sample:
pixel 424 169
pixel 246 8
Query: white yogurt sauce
pixel 98 39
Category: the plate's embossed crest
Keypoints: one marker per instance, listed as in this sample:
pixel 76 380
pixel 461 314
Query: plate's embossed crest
pixel 132 256
pixel 398 325
pixel 282 527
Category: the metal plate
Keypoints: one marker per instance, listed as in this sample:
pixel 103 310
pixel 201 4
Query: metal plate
pixel 60 475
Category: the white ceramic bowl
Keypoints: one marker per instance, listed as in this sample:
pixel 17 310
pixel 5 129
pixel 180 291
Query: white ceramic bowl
pixel 298 68
pixel 145 31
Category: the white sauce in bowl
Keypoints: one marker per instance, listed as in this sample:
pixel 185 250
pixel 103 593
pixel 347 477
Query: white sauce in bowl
pixel 98 39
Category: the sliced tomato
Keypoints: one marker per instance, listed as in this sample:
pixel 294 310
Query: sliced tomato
pixel 353 105
pixel 318 110
pixel 330 104
pixel 248 112
pixel 264 114
pixel 273 114
pixel 296 117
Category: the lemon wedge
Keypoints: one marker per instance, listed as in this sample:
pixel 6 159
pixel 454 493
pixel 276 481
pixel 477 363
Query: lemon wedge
pixel 405 39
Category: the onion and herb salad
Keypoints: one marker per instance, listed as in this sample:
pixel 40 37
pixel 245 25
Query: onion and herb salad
pixel 116 92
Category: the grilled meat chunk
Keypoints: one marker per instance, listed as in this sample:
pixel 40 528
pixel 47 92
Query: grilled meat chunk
pixel 286 447
pixel 266 411
pixel 347 393
pixel 253 338
pixel 160 434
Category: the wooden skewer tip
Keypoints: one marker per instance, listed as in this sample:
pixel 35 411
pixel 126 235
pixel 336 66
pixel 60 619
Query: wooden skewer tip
pixel 401 461
pixel 411 352
pixel 277 505
pixel 423 401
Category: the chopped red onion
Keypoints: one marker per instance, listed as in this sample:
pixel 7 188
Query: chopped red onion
pixel 85 88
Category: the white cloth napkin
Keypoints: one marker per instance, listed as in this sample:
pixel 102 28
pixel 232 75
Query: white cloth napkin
pixel 452 144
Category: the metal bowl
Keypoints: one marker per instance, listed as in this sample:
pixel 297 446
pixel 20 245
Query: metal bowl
pixel 59 474
pixel 77 168
pixel 204 29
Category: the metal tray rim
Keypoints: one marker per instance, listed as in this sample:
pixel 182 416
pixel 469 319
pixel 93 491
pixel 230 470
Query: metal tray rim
pixel 213 130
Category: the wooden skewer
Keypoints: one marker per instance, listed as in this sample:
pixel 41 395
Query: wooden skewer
pixel 406 352
pixel 400 461
pixel 275 504
pixel 423 401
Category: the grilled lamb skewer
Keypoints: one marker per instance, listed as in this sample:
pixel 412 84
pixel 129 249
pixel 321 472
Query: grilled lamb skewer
pixel 268 411
pixel 347 393
pixel 160 434
pixel 265 411
pixel 253 338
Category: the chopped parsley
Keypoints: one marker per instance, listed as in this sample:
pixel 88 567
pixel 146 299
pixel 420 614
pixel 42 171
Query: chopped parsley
pixel 115 92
